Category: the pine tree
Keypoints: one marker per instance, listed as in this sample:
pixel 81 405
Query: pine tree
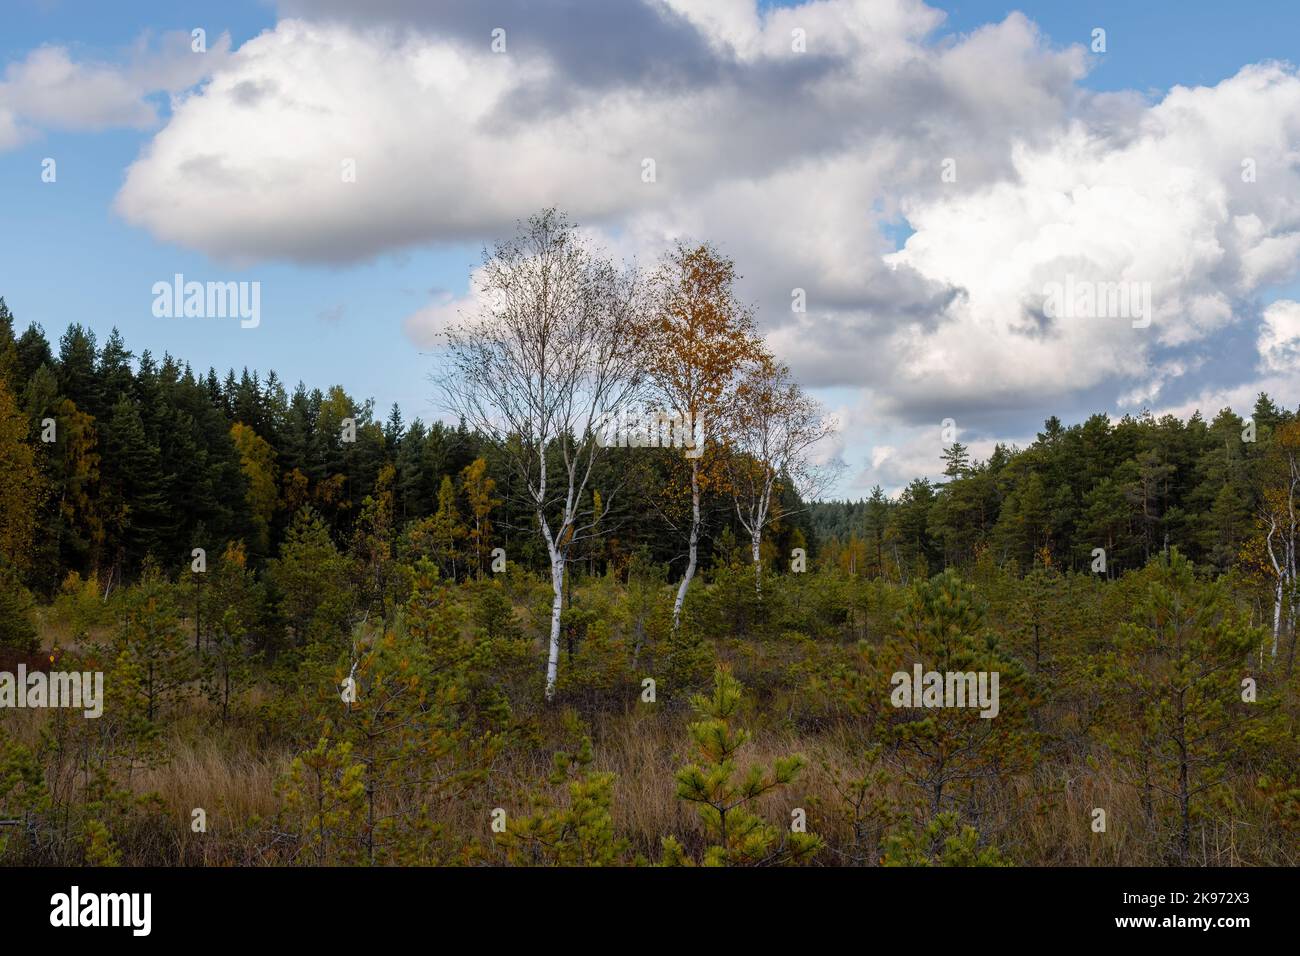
pixel 578 833
pixel 907 537
pixel 1177 675
pixel 942 842
pixel 323 801
pixel 149 636
pixel 738 836
pixel 393 754
pixel 412 491
pixel 24 795
pixel 494 616
pixel 9 361
pixel 645 583
pixel 950 754
pixel 235 603
pixel 16 627
pixel 33 352
pixel 956 458
pixel 311 579
pixel 877 520
pixel 373 536
pixel 1106 519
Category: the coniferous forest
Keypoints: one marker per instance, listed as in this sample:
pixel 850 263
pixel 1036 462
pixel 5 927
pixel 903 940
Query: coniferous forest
pixel 331 635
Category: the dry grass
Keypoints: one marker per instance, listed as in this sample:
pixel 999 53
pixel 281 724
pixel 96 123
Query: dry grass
pixel 1043 817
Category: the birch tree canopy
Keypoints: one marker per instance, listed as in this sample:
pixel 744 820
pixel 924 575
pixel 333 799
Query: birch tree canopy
pixel 552 348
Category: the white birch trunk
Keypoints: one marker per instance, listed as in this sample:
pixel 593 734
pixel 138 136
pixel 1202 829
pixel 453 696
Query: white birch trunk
pixel 553 652
pixel 1277 617
pixel 694 546
pixel 1280 573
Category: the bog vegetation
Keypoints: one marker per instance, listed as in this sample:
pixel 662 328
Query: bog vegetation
pixel 329 638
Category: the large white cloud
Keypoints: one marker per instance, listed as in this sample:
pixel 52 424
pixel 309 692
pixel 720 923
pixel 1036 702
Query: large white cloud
pixel 800 165
pixel 1161 204
pixel 450 139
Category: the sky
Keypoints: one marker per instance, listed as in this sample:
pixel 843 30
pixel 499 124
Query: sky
pixel 927 174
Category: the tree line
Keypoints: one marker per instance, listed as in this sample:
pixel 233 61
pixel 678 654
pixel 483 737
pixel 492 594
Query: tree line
pixel 1102 496
pixel 114 461
pixel 500 641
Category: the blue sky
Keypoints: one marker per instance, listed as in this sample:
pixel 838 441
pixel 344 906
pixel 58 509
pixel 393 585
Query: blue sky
pixel 66 254
pixel 1154 45
pixel 68 258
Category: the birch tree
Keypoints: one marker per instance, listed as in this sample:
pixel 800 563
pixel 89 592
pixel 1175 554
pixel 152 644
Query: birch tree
pixel 699 339
pixel 773 430
pixel 1281 525
pixel 549 350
